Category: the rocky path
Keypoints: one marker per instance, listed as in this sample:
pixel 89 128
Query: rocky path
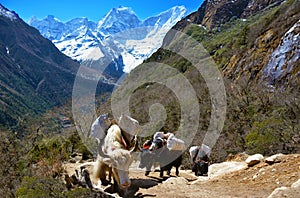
pixel 259 180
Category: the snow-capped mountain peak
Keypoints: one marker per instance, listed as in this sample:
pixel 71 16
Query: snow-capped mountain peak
pixel 173 14
pixel 119 39
pixel 50 27
pixel 119 19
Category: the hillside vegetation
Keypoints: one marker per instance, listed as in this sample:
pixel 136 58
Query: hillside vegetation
pixel 262 114
pixel 34 75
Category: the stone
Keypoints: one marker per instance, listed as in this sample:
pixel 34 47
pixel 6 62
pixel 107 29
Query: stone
pixel 286 191
pixel 224 168
pixel 254 159
pixel 274 158
pixel 277 191
pixel 296 184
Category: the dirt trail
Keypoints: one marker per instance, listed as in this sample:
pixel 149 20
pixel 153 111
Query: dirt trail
pixel 257 181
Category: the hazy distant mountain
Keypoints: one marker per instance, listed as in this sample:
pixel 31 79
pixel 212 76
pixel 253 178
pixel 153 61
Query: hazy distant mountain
pixel 119 41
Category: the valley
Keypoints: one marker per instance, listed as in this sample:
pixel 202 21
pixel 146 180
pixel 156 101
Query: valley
pixel 226 75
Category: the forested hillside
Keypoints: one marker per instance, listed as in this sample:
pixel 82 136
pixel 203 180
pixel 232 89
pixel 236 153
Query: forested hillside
pixel 261 79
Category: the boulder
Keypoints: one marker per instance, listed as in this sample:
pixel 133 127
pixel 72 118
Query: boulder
pixel 283 191
pixel 176 180
pixel 254 159
pixel 224 168
pixel 274 158
pixel 277 192
pixel 296 184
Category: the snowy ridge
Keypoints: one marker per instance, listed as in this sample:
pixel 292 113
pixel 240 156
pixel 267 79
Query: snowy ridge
pixel 119 37
pixel 9 14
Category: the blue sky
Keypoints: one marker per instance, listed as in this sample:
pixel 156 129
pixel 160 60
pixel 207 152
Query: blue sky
pixel 94 10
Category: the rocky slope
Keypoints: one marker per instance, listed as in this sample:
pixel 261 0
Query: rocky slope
pixel 267 48
pixel 258 59
pixel 214 13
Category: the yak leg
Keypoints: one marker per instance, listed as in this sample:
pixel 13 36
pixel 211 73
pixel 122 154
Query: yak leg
pixel 148 169
pixel 147 173
pixel 109 174
pixel 168 168
pixel 169 172
pixel 161 174
pixel 177 171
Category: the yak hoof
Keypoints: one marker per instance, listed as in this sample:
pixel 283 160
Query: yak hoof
pixel 147 173
pixel 169 172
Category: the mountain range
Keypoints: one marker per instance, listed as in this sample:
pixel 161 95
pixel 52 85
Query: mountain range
pixel 34 74
pixel 117 43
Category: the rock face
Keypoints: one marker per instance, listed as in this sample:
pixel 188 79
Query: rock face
pixel 218 12
pixel 270 51
pixel 213 13
pixel 286 55
pixel 255 6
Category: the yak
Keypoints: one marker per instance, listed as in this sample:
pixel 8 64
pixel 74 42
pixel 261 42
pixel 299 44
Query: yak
pixel 115 156
pixel 158 152
pixel 199 158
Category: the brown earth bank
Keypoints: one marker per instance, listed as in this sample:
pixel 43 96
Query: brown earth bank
pixel 259 180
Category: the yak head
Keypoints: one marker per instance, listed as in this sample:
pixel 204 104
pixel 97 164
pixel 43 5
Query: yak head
pixel 120 160
pixel 157 144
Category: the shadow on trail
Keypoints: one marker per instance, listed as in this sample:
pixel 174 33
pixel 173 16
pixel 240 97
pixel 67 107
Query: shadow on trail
pixel 136 184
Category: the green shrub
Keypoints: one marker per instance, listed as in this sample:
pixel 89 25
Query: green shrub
pixel 263 136
pixel 79 146
pixel 49 149
pixel 40 187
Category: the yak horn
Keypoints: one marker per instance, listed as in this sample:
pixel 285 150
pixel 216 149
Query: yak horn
pixel 135 145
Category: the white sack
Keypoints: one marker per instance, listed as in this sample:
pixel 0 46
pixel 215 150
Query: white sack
pixel 174 143
pixel 158 135
pixel 193 151
pixel 129 125
pixel 206 149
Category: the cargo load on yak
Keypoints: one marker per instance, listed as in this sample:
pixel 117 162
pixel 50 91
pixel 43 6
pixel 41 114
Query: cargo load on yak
pixel 174 143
